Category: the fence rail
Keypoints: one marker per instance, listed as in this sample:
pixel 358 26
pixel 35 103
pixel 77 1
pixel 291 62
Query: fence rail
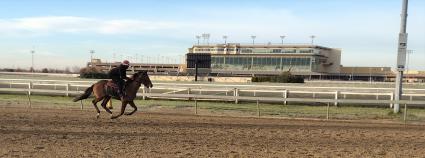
pixel 221 92
pixel 197 92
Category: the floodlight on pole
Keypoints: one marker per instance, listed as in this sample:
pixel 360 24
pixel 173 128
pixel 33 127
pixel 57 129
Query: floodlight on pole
pixel 253 39
pixel 198 37
pixel 225 39
pixel 91 55
pixel 282 38
pixel 401 56
pixel 312 39
pixel 206 37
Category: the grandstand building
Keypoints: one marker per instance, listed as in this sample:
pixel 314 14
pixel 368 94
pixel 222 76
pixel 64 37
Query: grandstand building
pixel 271 59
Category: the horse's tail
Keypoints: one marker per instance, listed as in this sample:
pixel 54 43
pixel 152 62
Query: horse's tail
pixel 86 94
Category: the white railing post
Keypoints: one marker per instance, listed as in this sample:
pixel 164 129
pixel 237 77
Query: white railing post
pixel 29 88
pixel 392 98
pixel 144 93
pixel 327 112
pixel 236 94
pixel 285 95
pixel 188 92
pixel 67 89
pixel 196 106
pixel 336 98
pixel 405 113
pixel 258 108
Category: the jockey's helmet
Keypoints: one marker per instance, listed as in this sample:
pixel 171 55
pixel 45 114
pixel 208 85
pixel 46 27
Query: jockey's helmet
pixel 125 62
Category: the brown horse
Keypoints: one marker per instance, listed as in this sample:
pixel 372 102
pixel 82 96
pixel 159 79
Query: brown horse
pixel 103 92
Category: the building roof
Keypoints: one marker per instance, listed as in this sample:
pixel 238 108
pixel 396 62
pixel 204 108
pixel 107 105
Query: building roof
pixel 239 45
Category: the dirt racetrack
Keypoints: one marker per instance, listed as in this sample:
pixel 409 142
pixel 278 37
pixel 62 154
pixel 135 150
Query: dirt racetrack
pixel 42 132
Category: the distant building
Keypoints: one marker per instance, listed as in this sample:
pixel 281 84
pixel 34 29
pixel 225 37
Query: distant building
pixel 271 59
pixel 366 73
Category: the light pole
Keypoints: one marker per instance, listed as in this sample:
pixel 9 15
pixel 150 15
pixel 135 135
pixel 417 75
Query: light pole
pixel 401 56
pixel 253 39
pixel 206 37
pixel 32 60
pixel 282 38
pixel 225 39
pixel 91 55
pixel 312 39
pixel 198 37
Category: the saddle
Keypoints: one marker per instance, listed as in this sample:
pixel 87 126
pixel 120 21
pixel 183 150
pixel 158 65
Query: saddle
pixel 112 84
pixel 111 88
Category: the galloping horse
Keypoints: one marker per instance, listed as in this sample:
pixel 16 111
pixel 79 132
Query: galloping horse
pixel 104 90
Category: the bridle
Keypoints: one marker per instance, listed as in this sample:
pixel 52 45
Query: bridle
pixel 140 81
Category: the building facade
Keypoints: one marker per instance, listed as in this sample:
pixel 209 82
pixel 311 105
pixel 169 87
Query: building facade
pixel 271 59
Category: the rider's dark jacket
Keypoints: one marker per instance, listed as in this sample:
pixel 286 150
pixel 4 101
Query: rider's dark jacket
pixel 118 75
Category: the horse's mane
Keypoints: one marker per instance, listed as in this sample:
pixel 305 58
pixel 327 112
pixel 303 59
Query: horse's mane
pixel 134 75
pixel 131 78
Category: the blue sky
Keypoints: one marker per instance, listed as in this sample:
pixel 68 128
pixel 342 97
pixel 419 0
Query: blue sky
pixel 63 32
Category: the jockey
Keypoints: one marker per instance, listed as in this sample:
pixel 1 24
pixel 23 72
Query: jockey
pixel 118 75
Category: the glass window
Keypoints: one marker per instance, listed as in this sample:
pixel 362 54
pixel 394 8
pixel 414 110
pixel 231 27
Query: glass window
pixel 277 50
pixel 263 61
pixel 269 61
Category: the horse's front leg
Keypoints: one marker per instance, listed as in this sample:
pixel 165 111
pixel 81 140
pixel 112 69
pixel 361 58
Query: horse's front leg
pixel 124 104
pixel 134 107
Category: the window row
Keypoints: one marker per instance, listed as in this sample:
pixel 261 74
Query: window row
pixel 260 61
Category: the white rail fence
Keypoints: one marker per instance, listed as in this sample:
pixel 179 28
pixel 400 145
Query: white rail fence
pixel 197 92
pixel 222 91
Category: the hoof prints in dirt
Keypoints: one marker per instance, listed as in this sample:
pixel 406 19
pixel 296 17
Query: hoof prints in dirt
pixel 56 132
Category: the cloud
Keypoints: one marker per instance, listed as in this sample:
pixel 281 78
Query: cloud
pixel 73 24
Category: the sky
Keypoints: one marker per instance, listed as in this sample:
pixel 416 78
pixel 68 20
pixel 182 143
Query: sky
pixel 62 33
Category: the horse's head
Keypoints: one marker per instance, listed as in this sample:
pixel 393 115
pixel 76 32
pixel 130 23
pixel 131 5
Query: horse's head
pixel 143 78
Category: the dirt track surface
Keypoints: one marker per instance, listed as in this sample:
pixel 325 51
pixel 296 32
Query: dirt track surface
pixel 75 133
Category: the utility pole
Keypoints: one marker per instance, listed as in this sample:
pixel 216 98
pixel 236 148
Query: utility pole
pixel 401 56
pixel 32 60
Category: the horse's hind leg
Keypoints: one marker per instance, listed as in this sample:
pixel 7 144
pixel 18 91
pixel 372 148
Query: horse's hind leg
pixel 94 101
pixel 105 101
pixel 134 107
pixel 123 105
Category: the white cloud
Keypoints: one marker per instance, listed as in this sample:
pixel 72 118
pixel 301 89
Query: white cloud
pixel 73 24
